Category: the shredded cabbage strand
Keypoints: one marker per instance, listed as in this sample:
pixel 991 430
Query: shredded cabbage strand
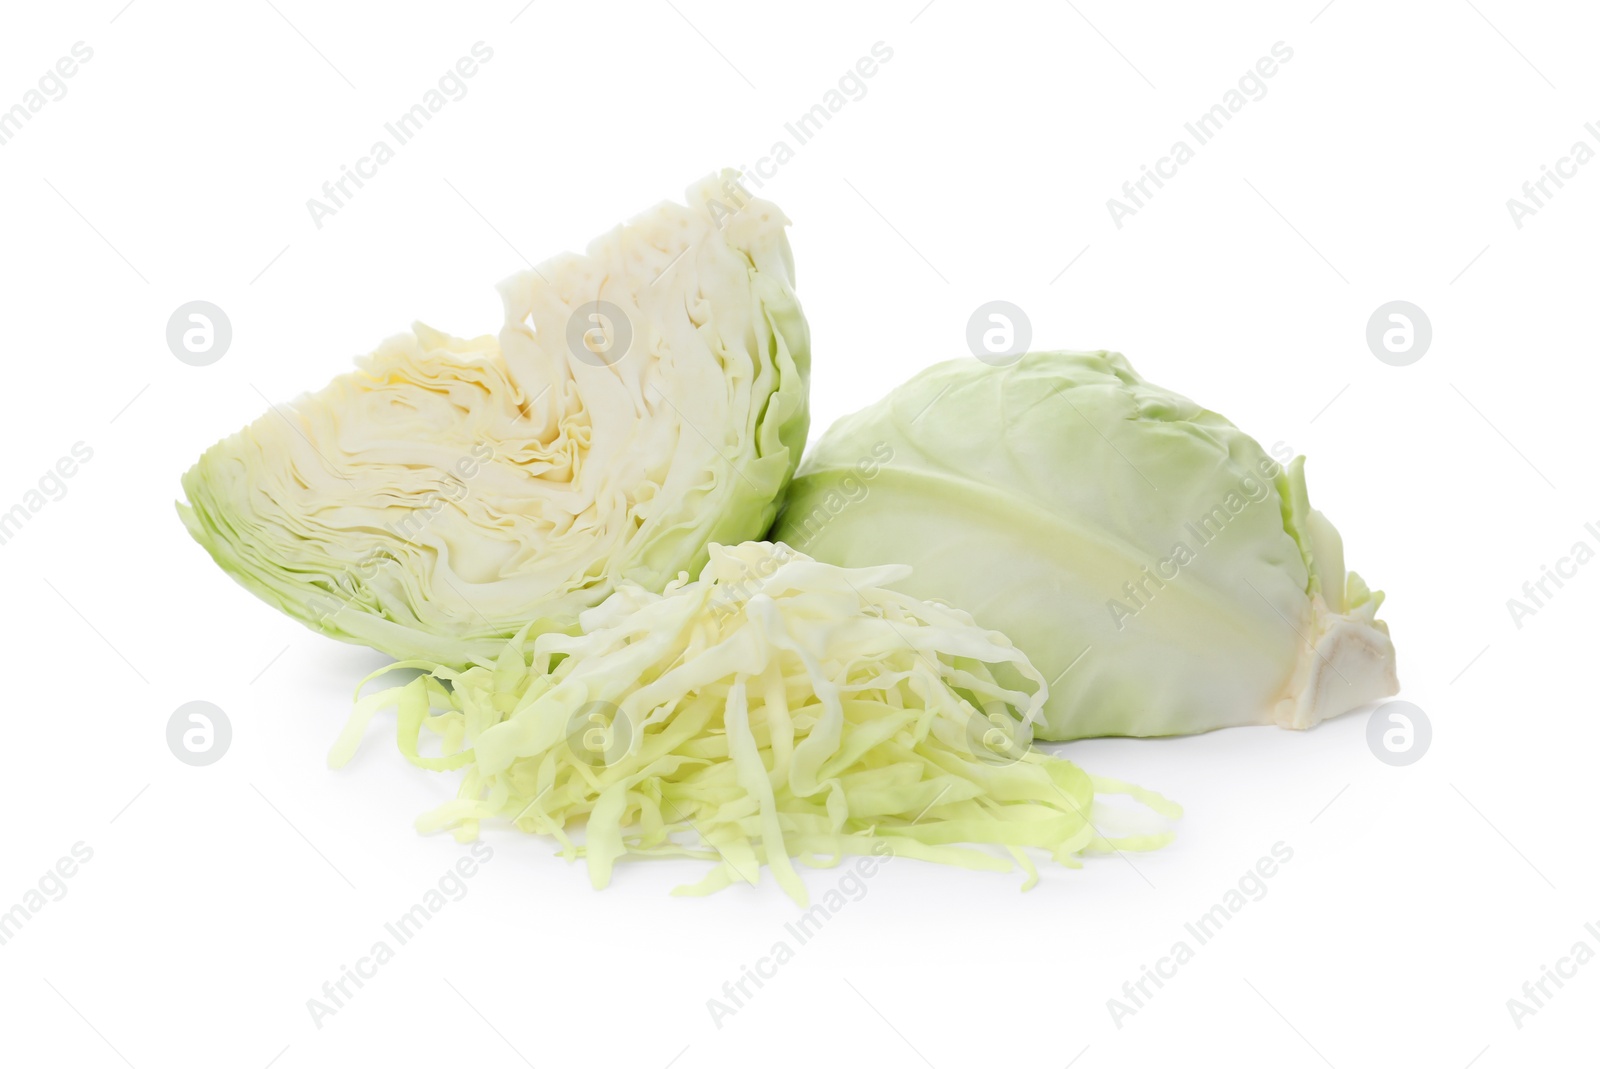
pixel 776 709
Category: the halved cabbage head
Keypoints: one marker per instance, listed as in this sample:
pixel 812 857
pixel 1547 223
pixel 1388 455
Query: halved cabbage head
pixel 1163 572
pixel 642 401
pixel 775 708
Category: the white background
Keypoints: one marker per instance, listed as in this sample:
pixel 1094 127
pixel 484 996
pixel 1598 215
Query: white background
pixel 976 167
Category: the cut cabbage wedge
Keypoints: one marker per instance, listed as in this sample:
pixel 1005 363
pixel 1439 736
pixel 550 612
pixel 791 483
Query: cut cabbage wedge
pixel 642 401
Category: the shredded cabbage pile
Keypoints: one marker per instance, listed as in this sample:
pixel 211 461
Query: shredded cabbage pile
pixel 776 709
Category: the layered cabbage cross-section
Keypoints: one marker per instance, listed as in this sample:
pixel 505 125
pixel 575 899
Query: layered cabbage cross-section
pixel 642 401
